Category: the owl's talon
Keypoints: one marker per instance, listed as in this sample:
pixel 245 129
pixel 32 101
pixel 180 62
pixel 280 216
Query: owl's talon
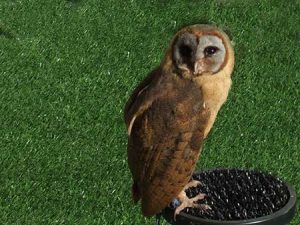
pixel 190 202
pixel 192 183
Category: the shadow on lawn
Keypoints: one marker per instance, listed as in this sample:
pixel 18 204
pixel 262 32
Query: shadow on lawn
pixel 73 3
pixel 6 32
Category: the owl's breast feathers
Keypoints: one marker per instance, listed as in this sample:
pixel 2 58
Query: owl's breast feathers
pixel 165 137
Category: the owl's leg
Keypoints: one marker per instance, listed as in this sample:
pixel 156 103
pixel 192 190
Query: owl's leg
pixel 190 202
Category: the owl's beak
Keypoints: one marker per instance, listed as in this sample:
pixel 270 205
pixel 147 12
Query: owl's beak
pixel 198 67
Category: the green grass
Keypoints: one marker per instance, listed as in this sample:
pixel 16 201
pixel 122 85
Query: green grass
pixel 67 68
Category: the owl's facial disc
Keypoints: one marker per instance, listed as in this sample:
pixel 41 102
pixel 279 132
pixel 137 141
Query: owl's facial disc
pixel 210 54
pixel 184 51
pixel 198 55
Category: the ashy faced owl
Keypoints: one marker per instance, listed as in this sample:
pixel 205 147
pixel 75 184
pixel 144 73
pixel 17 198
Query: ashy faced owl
pixel 171 112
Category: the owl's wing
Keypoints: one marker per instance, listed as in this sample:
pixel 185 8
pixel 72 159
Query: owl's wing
pixel 130 106
pixel 165 143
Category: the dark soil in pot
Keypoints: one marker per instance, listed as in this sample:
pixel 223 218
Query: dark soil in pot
pixel 238 196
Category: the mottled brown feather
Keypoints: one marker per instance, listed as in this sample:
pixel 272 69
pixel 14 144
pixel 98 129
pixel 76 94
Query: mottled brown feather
pixel 166 139
pixel 144 83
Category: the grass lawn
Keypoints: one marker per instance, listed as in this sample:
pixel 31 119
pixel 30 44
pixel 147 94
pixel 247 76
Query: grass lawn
pixel 67 68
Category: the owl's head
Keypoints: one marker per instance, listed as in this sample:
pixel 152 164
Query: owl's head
pixel 201 49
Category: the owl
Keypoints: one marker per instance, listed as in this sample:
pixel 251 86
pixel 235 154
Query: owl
pixel 170 113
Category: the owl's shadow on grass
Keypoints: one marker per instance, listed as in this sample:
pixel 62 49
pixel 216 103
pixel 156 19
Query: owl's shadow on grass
pixel 6 32
pixel 73 3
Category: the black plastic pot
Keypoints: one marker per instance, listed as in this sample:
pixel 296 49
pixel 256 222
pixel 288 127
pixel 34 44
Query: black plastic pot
pixel 281 217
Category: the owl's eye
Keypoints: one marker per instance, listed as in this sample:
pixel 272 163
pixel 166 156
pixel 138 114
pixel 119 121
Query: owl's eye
pixel 210 50
pixel 185 51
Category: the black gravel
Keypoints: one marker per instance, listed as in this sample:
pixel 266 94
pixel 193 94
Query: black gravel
pixel 237 194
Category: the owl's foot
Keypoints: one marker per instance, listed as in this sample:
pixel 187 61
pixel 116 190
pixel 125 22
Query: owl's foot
pixel 190 202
